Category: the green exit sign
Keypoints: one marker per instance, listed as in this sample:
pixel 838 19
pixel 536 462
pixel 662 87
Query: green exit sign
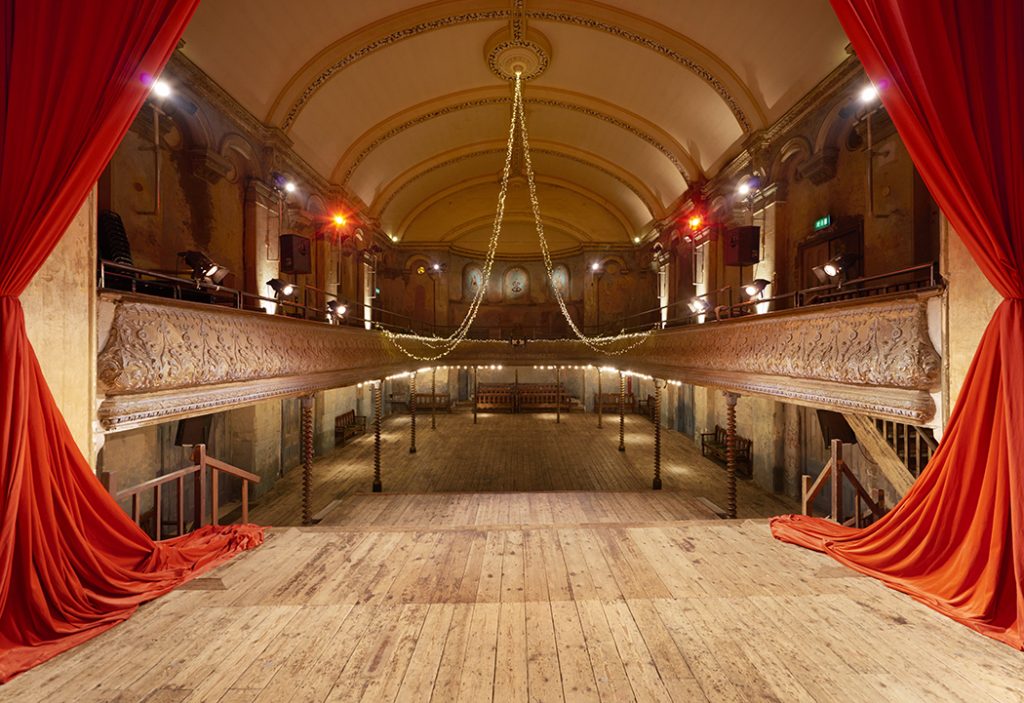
pixel 822 222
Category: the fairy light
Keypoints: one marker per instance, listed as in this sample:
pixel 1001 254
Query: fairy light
pixel 445 345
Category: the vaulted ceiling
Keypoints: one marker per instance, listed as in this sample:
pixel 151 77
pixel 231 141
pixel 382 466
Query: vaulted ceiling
pixel 404 104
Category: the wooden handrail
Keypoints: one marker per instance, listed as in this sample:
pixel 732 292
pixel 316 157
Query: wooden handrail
pixel 837 470
pixel 198 471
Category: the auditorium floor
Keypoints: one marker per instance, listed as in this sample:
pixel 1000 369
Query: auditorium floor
pixel 527 452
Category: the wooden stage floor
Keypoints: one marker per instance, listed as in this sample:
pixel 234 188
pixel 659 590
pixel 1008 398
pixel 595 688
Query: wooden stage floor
pixel 417 609
pixel 588 586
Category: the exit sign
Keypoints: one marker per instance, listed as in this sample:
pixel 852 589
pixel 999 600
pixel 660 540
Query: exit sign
pixel 822 222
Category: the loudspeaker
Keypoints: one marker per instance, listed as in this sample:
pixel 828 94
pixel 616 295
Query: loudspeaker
pixel 743 246
pixel 193 430
pixel 295 256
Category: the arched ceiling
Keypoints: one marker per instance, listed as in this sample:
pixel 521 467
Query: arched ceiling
pixel 396 102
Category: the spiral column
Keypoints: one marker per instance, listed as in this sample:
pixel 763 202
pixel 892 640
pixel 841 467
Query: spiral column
pixel 377 413
pixel 622 412
pixel 307 460
pixel 433 398
pixel 658 385
pixel 730 449
pixel 412 414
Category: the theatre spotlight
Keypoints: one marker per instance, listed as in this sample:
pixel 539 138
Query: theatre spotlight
pixel 756 287
pixel 161 88
pixel 203 267
pixel 336 310
pixel 699 305
pixel 868 94
pixel 839 264
pixel 282 289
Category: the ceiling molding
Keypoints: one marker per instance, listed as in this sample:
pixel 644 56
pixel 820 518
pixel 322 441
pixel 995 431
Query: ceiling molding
pixel 300 89
pixel 454 156
pixel 636 125
pixel 590 195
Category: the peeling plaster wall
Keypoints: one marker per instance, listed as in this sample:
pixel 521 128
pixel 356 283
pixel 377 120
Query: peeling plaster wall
pixel 59 307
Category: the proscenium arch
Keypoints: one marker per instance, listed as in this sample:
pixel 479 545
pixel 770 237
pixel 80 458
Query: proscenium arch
pixel 637 126
pixel 666 42
pixel 440 195
pixel 453 156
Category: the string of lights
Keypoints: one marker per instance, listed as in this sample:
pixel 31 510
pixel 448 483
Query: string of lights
pixel 598 344
pixel 442 346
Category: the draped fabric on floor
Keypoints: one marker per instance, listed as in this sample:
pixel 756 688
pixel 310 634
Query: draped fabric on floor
pixel 72 564
pixel 950 74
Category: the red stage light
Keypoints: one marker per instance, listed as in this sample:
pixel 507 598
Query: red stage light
pixel 339 220
pixel 695 222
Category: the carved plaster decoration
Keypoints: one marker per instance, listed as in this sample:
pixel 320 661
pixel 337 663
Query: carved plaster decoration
pixel 529 54
pixel 489 15
pixel 209 165
pixel 165 359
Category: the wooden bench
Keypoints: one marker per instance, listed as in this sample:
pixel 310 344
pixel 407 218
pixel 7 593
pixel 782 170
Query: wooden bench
pixel 646 407
pixel 348 425
pixel 496 396
pixel 609 402
pixel 713 444
pixel 438 401
pixel 543 396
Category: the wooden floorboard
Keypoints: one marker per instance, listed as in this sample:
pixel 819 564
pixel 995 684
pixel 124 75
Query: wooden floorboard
pixel 514 453
pixel 540 568
pixel 677 611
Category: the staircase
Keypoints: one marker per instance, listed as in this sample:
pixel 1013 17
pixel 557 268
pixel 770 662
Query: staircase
pixel 913 445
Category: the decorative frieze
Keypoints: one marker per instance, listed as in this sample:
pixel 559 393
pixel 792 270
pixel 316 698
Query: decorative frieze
pixel 165 359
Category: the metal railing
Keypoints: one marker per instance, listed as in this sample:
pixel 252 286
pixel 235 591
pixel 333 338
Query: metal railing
pixel 314 303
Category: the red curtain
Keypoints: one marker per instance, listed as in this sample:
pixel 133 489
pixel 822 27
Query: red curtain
pixel 72 77
pixel 950 73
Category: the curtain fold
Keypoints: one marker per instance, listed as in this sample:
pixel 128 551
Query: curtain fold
pixel 949 73
pixel 73 75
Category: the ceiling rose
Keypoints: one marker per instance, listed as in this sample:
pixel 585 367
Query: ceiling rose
pixel 529 55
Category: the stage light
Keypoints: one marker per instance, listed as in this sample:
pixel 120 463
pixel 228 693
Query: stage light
pixel 756 287
pixel 289 187
pixel 695 222
pixel 868 94
pixel 838 264
pixel 819 273
pixel 336 310
pixel 636 240
pixel 202 266
pixel 699 305
pixel 282 289
pixel 161 88
pixel 339 220
pixel 436 267
pixel 595 267
pixel 394 237
pixel 743 189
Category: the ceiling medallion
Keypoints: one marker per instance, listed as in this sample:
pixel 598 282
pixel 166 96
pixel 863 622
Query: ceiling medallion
pixel 529 55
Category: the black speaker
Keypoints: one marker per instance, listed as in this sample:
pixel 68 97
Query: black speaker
pixel 295 257
pixel 193 430
pixel 113 241
pixel 743 246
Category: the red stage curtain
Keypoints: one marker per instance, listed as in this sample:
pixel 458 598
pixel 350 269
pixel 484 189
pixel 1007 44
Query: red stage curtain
pixel 71 562
pixel 950 73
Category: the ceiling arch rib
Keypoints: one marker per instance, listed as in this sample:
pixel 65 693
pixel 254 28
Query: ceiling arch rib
pixel 455 190
pixel 674 46
pixel 486 168
pixel 515 220
pixel 557 98
pixel 488 123
pixel 448 159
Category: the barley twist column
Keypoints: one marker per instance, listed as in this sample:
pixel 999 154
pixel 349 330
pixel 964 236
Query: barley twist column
pixel 622 412
pixel 658 385
pixel 600 400
pixel 307 460
pixel 730 449
pixel 476 391
pixel 558 394
pixel 412 414
pixel 433 398
pixel 377 413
